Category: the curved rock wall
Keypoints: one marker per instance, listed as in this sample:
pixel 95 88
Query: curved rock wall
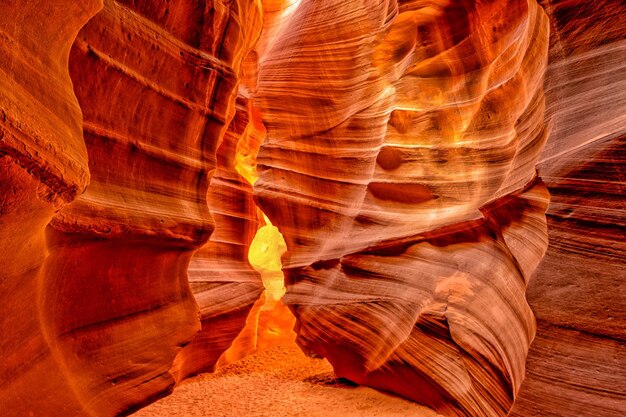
pixel 156 83
pixel 221 278
pixel 577 363
pixel 400 167
pixel 410 128
pixel 43 167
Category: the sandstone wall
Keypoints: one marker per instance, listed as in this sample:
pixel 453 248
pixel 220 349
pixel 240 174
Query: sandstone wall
pixel 577 363
pixel 400 167
pixel 103 280
pixel 405 145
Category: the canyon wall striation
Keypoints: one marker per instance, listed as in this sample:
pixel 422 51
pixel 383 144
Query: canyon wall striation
pixel 324 166
pixel 103 280
pixel 224 283
pixel 400 167
pixel 43 167
pixel 577 363
pixel 403 145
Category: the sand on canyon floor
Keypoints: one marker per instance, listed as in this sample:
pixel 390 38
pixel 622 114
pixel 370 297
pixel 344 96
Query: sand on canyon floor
pixel 279 382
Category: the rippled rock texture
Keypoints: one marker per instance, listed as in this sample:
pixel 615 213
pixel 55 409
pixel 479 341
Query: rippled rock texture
pixel 402 162
pixel 400 167
pixel 104 286
pixel 224 283
pixel 577 363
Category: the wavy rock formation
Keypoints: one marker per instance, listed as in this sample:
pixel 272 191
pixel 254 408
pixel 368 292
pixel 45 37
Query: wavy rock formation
pixel 43 166
pixel 409 126
pixel 156 83
pixel 405 141
pixel 577 363
pixel 400 167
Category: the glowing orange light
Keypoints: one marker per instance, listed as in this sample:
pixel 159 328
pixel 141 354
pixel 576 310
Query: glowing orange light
pixel 270 322
pixel 264 255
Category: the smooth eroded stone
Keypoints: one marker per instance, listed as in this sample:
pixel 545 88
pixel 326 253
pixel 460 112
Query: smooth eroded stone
pixel 577 363
pixel 400 166
pixel 156 83
pixel 222 280
pixel 43 166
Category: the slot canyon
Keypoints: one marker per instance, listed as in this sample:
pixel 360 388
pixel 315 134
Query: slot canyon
pixel 313 208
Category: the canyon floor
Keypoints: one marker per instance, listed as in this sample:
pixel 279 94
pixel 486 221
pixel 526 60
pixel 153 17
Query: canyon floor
pixel 279 382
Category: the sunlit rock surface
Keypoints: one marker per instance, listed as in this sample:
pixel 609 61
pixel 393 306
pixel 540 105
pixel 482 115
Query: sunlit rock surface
pixel 577 363
pixel 410 129
pixel 578 290
pixel 400 167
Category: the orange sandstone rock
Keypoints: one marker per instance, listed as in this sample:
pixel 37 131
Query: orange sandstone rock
pixel 43 167
pixel 156 83
pixel 400 167
pixel 400 163
pixel 222 280
pixel 577 363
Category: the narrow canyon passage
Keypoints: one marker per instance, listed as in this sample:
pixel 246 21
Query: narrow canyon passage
pixel 307 208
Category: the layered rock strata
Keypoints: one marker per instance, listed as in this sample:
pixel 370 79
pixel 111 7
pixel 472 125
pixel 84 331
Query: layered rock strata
pixel 400 167
pixel 43 167
pixel 577 363
pixel 156 83
pixel 221 278
pixel 400 162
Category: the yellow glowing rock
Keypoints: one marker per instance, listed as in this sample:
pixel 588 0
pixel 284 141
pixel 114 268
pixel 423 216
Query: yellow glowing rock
pixel 266 249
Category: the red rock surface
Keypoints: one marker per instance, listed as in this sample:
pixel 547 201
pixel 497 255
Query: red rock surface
pixel 111 306
pixel 43 166
pixel 577 363
pixel 221 278
pixel 405 141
